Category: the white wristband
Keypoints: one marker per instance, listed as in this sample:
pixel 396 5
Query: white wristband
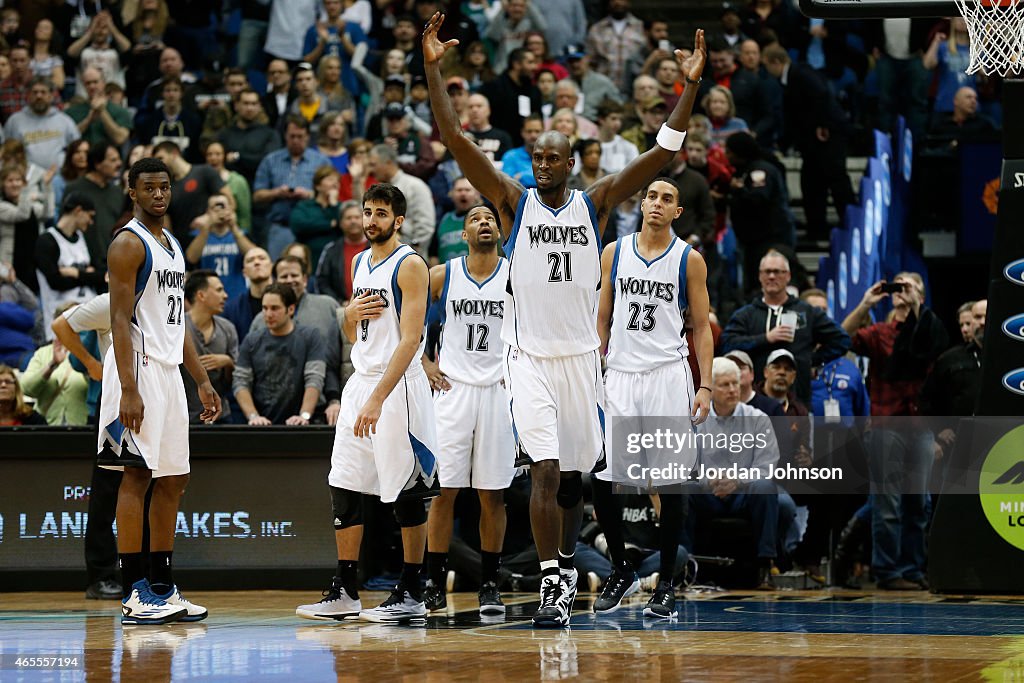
pixel 670 139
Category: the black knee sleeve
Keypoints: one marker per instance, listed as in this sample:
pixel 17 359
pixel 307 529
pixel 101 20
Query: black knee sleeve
pixel 570 491
pixel 348 508
pixel 410 512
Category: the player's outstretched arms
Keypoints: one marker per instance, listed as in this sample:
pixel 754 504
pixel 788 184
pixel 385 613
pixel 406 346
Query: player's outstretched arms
pixel 500 189
pixel 616 188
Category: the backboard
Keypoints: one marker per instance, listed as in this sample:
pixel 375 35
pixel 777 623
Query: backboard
pixel 877 9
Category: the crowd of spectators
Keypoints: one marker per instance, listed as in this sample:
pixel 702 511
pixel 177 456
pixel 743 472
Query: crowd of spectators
pixel 274 115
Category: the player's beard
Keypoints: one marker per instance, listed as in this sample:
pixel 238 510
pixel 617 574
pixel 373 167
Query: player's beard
pixel 383 236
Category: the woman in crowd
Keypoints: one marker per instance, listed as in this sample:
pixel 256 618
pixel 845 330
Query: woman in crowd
pixel 21 211
pixel 538 45
pixel 355 180
pixel 76 163
pixel 564 121
pixel 14 412
pixel 475 66
pixel 338 97
pixel 332 139
pixel 315 221
pixel 721 109
pixel 546 82
pixel 46 51
pixel 238 185
pixel 588 153
pixel 59 390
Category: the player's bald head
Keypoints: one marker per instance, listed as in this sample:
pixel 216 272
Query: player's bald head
pixel 555 140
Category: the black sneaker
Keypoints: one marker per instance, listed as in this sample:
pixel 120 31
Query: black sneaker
pixel 490 599
pixel 104 589
pixel 663 603
pixel 550 615
pixel 619 586
pixel 434 598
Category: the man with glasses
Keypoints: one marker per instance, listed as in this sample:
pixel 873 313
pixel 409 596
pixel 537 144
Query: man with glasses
pixel 779 320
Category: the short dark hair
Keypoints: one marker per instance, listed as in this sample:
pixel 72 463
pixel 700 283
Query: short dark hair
pixel 536 116
pixel 74 200
pixel 286 293
pixel 665 179
pixel 582 145
pixel 296 120
pixel 516 56
pixel 405 17
pixel 176 80
pixel 97 153
pixel 235 71
pixel 290 258
pixel 169 146
pixel 744 145
pixel 608 107
pixel 197 281
pixel 145 165
pixel 40 80
pixel 386 193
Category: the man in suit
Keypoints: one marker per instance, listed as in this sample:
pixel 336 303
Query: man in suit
pixel 816 126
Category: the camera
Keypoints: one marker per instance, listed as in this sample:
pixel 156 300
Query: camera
pixel 892 287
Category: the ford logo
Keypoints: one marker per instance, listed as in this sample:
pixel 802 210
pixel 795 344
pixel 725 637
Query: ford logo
pixel 1014 381
pixel 1014 327
pixel 1014 272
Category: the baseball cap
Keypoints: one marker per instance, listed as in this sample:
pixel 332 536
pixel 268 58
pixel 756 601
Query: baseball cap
pixel 653 103
pixel 740 357
pixel 780 354
pixel 574 52
pixel 395 110
pixel 394 79
pixel 456 82
pixel 728 7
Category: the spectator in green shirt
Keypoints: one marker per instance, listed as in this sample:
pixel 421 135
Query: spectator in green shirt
pixel 448 242
pixel 98 119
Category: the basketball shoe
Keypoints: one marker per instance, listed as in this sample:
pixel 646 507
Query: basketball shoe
pixel 400 606
pixel 434 597
pixel 550 614
pixel 490 599
pixel 663 603
pixel 335 605
pixel 619 586
pixel 570 581
pixel 143 607
pixel 193 611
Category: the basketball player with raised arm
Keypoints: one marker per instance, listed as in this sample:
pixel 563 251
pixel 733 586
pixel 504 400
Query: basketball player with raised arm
pixel 475 442
pixel 650 279
pixel 143 411
pixel 385 439
pixel 552 367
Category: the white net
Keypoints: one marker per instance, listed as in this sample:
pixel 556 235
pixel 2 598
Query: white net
pixel 996 28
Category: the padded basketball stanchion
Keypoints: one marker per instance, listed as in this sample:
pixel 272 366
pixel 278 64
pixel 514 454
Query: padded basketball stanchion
pixel 1002 388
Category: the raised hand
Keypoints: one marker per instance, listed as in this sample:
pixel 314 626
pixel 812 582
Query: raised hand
pixel 433 48
pixel 692 66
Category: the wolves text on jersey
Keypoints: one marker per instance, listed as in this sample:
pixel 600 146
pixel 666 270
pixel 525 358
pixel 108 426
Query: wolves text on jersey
pixel 559 234
pixel 665 291
pixel 381 292
pixel 170 279
pixel 478 307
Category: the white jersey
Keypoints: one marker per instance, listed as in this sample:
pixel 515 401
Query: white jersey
pixel 471 311
pixel 554 276
pixel 377 339
pixel 158 329
pixel 650 298
pixel 70 255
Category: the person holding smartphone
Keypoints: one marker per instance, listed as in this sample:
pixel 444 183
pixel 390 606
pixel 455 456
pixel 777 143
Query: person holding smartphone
pixel 778 320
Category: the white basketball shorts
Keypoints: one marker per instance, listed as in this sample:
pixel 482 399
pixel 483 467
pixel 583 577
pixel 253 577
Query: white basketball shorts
pixel 400 454
pixel 557 407
pixel 161 444
pixel 475 444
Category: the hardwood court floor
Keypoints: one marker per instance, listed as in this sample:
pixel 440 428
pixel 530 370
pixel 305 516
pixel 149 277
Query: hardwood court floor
pixel 796 636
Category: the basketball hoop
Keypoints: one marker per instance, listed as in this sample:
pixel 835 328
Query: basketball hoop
pixel 996 28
